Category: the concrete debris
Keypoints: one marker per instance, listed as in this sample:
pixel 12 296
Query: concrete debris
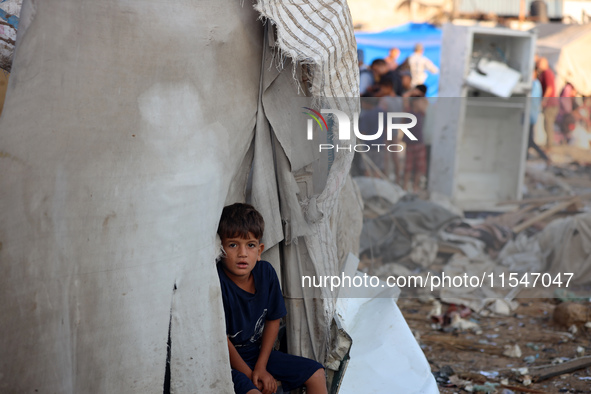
pixel 521 371
pixel 457 323
pixel 424 250
pixel 573 329
pixel 494 299
pixel 513 351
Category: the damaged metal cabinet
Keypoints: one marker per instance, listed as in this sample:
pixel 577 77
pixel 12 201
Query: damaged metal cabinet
pixel 479 139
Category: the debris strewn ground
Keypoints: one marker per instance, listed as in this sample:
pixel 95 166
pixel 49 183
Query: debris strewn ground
pixel 492 339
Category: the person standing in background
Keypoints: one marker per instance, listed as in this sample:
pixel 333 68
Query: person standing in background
pixel 419 64
pixel 550 103
pixel 534 112
pixel 392 58
pixel 366 77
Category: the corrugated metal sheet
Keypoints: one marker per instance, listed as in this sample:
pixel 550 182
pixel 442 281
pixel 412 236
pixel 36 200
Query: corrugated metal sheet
pixel 507 7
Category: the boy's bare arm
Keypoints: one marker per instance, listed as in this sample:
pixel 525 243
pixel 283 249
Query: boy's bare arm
pixel 260 369
pixel 237 362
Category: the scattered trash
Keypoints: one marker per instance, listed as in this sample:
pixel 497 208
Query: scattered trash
pixel 443 375
pixel 452 312
pixel 490 375
pixel 458 382
pixel 457 323
pixel 529 359
pixel 559 360
pixel 436 312
pixel 485 388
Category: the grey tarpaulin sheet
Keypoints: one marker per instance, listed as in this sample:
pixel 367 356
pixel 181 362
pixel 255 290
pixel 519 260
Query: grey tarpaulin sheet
pixel 119 142
pixel 390 235
pixel 566 244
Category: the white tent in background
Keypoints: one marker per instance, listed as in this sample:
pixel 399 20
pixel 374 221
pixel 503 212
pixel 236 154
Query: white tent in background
pixel 568 54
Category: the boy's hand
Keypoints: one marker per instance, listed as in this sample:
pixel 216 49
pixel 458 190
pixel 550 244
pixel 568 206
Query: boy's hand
pixel 264 381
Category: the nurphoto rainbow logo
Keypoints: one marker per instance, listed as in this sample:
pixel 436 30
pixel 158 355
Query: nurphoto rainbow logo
pixel 315 116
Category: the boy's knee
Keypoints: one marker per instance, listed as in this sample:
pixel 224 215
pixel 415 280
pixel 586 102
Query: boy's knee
pixel 316 384
pixel 318 376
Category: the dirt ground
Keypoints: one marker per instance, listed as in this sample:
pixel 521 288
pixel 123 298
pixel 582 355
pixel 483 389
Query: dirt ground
pixel 472 356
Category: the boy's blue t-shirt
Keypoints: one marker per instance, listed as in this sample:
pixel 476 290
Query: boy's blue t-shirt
pixel 245 312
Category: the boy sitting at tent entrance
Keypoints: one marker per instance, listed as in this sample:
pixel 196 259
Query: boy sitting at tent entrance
pixel 253 305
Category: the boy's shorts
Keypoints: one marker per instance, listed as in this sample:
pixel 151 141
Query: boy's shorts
pixel 292 371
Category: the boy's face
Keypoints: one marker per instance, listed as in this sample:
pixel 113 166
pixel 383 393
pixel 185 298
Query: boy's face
pixel 242 255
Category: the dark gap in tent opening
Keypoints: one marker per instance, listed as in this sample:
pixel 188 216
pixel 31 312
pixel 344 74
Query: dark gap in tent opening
pixel 167 374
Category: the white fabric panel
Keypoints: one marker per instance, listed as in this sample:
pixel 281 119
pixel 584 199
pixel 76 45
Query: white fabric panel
pixel 118 143
pixel 385 357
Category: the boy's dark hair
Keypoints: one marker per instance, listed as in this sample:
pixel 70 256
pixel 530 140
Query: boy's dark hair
pixel 378 62
pixel 240 219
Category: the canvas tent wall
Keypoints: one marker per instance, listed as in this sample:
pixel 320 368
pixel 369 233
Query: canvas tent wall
pixel 116 161
pixel 404 37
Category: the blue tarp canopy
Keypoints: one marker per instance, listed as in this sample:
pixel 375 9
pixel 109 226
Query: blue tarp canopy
pixel 404 37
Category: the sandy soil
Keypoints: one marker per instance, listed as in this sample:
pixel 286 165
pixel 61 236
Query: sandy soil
pixel 531 327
